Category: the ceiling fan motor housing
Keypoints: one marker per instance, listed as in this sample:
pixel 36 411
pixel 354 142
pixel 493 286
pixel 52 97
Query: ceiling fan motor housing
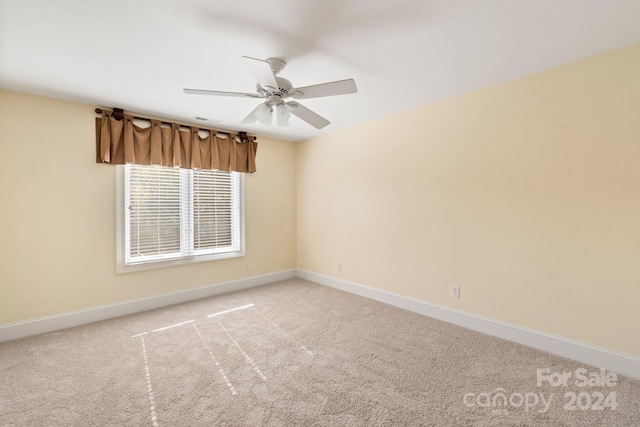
pixel 274 96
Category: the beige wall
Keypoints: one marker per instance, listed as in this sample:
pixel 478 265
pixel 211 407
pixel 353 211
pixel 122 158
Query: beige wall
pixel 57 216
pixel 526 194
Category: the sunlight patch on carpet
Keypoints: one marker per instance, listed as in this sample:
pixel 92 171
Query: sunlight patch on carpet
pixel 222 373
pixel 230 310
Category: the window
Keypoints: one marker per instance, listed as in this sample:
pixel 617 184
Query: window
pixel 169 216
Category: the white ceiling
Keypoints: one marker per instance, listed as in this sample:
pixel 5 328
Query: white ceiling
pixel 139 54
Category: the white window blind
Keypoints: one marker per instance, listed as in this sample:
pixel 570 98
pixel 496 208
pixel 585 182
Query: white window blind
pixel 183 215
pixel 213 211
pixel 153 212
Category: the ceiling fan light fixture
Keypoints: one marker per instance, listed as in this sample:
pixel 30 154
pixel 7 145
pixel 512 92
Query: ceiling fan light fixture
pixel 263 113
pixel 282 114
pixel 266 120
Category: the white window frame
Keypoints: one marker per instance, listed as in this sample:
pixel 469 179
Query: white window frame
pixel 121 239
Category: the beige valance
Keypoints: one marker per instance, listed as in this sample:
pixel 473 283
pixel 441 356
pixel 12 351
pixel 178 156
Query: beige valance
pixel 121 141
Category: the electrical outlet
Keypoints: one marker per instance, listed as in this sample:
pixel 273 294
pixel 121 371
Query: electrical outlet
pixel 246 265
pixel 339 266
pixel 455 292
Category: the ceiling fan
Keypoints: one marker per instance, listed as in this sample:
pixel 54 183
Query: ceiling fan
pixel 275 90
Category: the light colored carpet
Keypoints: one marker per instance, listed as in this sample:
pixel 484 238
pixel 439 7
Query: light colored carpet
pixel 302 354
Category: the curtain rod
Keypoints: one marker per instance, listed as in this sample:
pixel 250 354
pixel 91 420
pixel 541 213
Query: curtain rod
pixel 118 113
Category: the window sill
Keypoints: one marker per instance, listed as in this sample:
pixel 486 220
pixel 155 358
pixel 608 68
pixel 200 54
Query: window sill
pixel 152 265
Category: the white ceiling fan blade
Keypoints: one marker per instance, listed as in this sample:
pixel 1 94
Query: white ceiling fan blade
pixel 220 93
pixel 307 115
pixel 261 70
pixel 341 87
pixel 252 117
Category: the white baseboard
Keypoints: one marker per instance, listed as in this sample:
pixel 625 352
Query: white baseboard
pixel 42 325
pixel 599 357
